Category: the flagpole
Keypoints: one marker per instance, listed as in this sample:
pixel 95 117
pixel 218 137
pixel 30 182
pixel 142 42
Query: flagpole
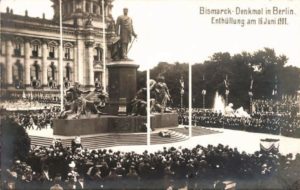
pixel 190 100
pixel 104 48
pixel 181 92
pixel 148 108
pixel 61 58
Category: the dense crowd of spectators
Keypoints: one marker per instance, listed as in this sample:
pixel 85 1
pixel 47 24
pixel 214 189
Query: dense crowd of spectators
pixel 36 119
pixel 197 168
pixel 263 123
pixel 170 168
pixel 17 104
pixel 34 98
pixel 183 116
pixel 286 105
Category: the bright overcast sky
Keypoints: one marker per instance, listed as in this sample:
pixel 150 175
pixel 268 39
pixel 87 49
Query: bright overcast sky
pixel 173 30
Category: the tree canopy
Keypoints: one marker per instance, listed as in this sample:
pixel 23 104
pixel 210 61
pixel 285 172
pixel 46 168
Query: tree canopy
pixel 267 69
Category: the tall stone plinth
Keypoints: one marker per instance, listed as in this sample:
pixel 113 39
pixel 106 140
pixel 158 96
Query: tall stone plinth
pixel 122 86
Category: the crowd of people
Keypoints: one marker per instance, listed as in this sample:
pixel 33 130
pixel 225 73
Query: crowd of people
pixel 282 106
pixel 39 117
pixel 31 97
pixel 183 116
pixel 172 168
pixel 76 167
pixel 269 116
pixel 17 104
pixel 35 119
pixel 263 123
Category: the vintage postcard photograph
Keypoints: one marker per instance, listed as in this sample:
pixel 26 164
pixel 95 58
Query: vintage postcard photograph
pixel 150 94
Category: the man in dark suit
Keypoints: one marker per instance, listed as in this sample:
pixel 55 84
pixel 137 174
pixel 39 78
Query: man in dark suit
pixel 80 184
pixel 57 183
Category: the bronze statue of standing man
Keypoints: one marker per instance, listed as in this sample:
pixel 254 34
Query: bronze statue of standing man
pixel 124 29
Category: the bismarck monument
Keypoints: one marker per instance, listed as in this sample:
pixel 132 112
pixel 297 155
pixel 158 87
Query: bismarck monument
pixel 122 71
pixel 123 109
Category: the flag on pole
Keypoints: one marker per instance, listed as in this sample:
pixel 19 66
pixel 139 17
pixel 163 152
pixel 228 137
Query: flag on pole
pixel 181 81
pixel 104 49
pixel 61 57
pixel 251 86
pixel 251 83
pixel 226 83
pixel 275 90
pixel 23 95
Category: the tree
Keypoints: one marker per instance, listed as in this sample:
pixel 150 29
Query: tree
pixel 15 142
pixel 265 67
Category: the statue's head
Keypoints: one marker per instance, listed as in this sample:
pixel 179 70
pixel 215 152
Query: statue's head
pixel 99 87
pixel 125 11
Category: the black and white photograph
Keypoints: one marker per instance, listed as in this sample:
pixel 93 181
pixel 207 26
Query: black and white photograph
pixel 149 94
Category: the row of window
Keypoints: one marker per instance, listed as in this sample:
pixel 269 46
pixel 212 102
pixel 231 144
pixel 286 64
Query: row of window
pixel 67 53
pixel 35 72
pixel 35 75
pixel 68 8
pixel 89 10
pixel 35 53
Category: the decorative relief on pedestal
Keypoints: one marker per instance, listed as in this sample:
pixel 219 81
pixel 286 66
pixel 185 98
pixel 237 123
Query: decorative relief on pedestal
pixel 121 125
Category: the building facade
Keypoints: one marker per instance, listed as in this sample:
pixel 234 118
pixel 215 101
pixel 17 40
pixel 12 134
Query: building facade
pixel 30 53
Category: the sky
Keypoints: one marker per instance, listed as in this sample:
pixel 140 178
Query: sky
pixel 175 31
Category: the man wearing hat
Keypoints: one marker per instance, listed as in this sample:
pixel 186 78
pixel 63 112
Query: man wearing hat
pixel 80 184
pixel 124 29
pixel 72 174
pixel 76 144
pixel 57 183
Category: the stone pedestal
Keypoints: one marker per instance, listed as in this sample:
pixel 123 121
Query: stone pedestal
pixel 99 125
pixel 112 124
pixel 122 76
pixel 164 120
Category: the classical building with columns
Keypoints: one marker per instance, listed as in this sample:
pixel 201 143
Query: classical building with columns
pixel 30 53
